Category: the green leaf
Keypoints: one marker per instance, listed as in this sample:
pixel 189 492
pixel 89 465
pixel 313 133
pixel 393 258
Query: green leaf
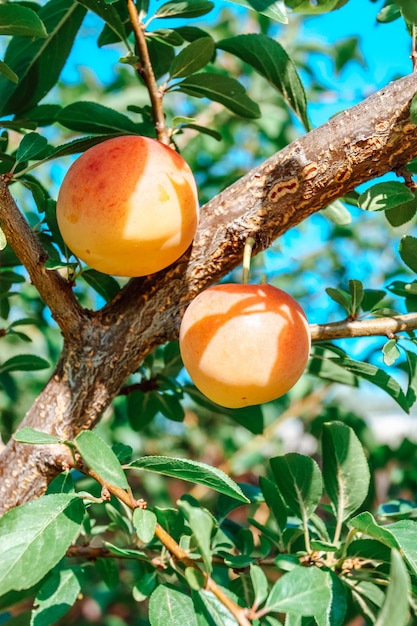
pixel 365 523
pixel 402 213
pixel 303 591
pixel 57 595
pixel 3 240
pixel 100 458
pixel 29 435
pixel 391 352
pixel 337 213
pixel 24 363
pixel 201 523
pixel 8 73
pixel 220 88
pixel 210 611
pixel 356 293
pixel 259 583
pixel 275 9
pixel 91 117
pixel 144 522
pixel 250 417
pixel 109 14
pixel 40 533
pixel 405 533
pixel 274 501
pixel 105 285
pixel 31 146
pixel 192 58
pixel 388 13
pixel 340 296
pixel 170 406
pixel 376 376
pixel 16 19
pixel 39 63
pixel 168 605
pixel 412 377
pixel 383 196
pixel 270 60
pixel 299 480
pixel 184 8
pixel 193 471
pixel 395 609
pixel 408 251
pixel 345 469
pixel 318 6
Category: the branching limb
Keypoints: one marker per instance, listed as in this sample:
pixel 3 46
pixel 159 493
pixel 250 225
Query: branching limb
pixel 54 290
pixel 145 70
pixel 178 553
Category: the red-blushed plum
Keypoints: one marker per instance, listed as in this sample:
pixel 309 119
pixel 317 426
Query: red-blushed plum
pixel 128 206
pixel 244 344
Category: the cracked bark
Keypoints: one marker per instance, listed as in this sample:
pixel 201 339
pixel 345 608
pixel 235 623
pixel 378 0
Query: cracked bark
pixel 102 348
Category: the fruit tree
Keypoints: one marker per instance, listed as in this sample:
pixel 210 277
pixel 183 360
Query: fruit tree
pixel 187 262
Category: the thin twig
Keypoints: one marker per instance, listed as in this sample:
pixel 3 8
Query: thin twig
pixel 176 551
pixel 381 326
pixel 145 70
pixel 54 290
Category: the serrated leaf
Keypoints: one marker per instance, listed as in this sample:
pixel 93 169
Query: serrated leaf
pixel 16 19
pixel 32 436
pixel 345 469
pixel 58 594
pixel 184 9
pixel 100 458
pixel 24 363
pixel 91 117
pixel 274 501
pixel 8 73
pixel 31 146
pixel 144 522
pixel 38 63
pixel 408 251
pixel 384 196
pixel 40 533
pixel 220 88
pixel 299 481
pixel 193 471
pixel 168 605
pixel 192 58
pixel 304 591
pixel 270 60
pixel 105 285
pixel 395 609
pixel 275 9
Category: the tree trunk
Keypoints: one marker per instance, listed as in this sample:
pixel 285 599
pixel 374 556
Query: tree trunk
pixel 102 348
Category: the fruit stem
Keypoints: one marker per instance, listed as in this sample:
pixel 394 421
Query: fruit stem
pixel 247 254
pixel 145 71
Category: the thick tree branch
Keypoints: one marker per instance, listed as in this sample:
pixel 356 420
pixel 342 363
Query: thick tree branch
pixel 55 291
pixel 366 141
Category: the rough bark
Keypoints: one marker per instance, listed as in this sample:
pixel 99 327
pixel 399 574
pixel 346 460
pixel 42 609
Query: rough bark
pixel 102 348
